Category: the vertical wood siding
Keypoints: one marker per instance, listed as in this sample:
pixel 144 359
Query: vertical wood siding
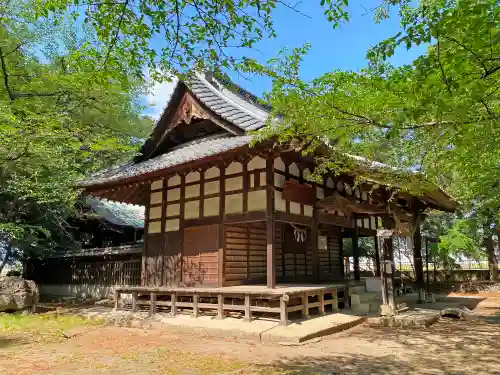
pixel 245 256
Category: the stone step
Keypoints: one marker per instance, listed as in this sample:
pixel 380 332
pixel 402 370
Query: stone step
pixel 357 289
pixel 365 297
pixel 365 308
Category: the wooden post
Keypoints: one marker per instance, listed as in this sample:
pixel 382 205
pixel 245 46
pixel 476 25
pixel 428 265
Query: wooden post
pixel 248 311
pixel 377 257
pixel 321 297
pixel 117 297
pixel 152 304
pixel 314 246
pixel 417 262
pixel 305 305
pixel 196 310
pixel 221 278
pixel 134 302
pixel 144 270
pixel 335 304
pixel 283 310
pixel 173 307
pixel 270 228
pixel 388 271
pixel 220 306
pixel 355 251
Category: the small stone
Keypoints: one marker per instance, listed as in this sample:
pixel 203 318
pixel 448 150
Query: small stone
pixel 386 310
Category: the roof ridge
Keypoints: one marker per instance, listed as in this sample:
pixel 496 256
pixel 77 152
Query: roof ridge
pixel 244 93
pixel 210 85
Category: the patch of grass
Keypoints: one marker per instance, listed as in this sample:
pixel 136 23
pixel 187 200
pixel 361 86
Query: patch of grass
pixel 21 329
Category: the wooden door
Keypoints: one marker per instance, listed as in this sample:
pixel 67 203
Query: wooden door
pixel 200 255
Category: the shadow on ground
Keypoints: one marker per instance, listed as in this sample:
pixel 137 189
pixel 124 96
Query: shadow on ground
pixel 450 347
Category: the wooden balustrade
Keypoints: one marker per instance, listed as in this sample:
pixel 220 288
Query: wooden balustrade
pixel 251 301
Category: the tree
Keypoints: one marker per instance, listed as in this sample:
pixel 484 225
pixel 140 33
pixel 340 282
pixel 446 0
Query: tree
pixel 436 118
pixel 171 37
pixel 62 117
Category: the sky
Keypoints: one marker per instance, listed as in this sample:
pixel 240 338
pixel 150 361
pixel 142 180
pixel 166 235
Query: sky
pixel 343 48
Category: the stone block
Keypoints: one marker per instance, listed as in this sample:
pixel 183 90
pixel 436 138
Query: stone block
pixel 362 308
pixel 355 299
pixel 360 289
pixel 373 284
pixel 386 310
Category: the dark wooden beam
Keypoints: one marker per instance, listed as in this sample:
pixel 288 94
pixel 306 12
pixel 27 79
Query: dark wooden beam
pixel 292 218
pixel 417 262
pixel 377 257
pixel 221 278
pixel 355 251
pixel 314 245
pixel 270 223
pixel 388 265
pixel 340 221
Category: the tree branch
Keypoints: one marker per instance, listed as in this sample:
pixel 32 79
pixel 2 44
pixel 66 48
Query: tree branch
pixel 491 71
pixel 115 38
pixel 6 258
pixel 470 50
pixel 445 80
pixel 6 76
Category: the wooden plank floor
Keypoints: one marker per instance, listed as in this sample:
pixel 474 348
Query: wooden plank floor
pixel 239 289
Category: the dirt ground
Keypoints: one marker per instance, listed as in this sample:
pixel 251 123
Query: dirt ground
pixel 448 347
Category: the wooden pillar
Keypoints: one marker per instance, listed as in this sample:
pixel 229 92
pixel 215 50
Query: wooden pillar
pixel 221 277
pixel 417 262
pixel 388 266
pixel 270 224
pixel 284 310
pixel 152 304
pixel 173 306
pixel 355 251
pixel 134 302
pixel 117 299
pixel 144 271
pixel 196 310
pixel 305 306
pixel 321 297
pixel 220 306
pixel 248 309
pixel 314 246
pixel 377 256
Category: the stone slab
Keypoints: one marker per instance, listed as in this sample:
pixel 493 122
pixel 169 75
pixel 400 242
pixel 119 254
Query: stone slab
pixel 227 327
pixel 373 284
pixel 315 327
pixel 359 289
pixel 420 317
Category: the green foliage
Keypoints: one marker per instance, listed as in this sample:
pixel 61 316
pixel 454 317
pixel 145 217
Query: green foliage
pixel 62 116
pixel 437 116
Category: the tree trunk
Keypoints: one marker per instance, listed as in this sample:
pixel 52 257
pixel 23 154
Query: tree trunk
pixel 8 254
pixel 492 257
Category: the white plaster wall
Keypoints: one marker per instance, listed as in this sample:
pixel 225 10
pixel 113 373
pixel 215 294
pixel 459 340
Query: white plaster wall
pixel 79 291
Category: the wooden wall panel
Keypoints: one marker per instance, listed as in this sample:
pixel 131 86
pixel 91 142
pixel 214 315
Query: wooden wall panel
pixel 330 259
pixel 295 259
pixel 200 255
pixel 154 259
pixel 172 259
pixel 245 253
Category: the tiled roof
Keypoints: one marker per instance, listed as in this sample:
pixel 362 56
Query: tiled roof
pixel 135 248
pixel 121 214
pixel 187 152
pixel 229 101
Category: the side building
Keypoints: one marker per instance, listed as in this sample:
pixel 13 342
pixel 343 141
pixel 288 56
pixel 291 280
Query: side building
pixel 106 253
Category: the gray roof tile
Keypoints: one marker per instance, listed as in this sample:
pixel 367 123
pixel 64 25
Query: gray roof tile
pixel 229 103
pixel 191 151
